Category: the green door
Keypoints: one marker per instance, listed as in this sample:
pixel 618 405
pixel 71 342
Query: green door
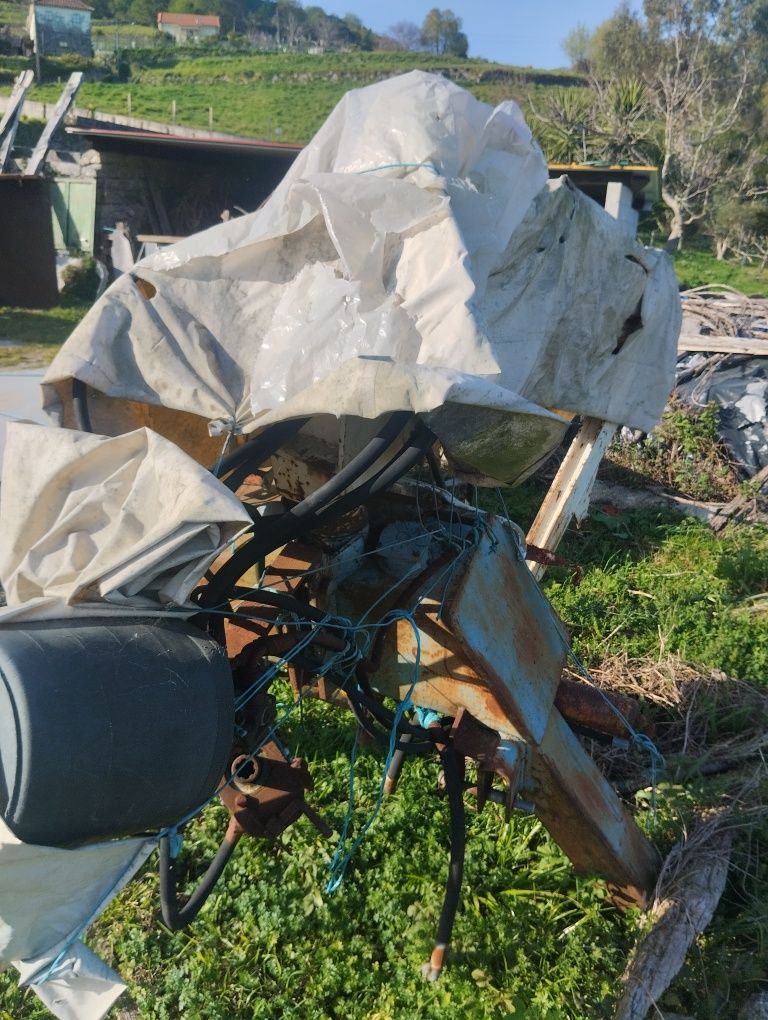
pixel 73 207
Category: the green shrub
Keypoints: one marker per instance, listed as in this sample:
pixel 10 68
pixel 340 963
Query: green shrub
pixel 81 281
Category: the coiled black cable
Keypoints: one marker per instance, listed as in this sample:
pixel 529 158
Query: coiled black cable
pixel 251 456
pixel 323 505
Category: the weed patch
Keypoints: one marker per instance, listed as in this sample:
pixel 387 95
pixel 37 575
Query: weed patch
pixel 683 454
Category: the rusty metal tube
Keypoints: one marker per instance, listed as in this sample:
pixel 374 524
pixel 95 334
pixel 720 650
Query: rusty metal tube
pixel 586 706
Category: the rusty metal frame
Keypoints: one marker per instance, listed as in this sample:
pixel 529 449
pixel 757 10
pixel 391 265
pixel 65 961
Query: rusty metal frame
pixel 492 645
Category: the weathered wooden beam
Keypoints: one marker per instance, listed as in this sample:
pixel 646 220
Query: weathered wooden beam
pixel 690 342
pixel 568 495
pixel 10 122
pixel 55 120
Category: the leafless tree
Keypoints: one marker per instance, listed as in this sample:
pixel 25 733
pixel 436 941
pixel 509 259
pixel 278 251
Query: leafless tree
pixel 288 23
pixel 406 34
pixel 699 104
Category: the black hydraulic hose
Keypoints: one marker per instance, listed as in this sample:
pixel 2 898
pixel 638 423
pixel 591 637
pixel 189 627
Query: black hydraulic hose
pixel 235 479
pixel 271 439
pixel 306 515
pixel 275 600
pixel 383 736
pixel 177 917
pixel 279 530
pixel 419 442
pixel 434 468
pixel 80 406
pixel 384 717
pixel 453 772
pixel 359 464
pixel 282 601
pixel 396 765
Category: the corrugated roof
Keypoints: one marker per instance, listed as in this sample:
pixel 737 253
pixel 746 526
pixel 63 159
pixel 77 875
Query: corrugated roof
pixel 75 5
pixel 188 20
pixel 206 140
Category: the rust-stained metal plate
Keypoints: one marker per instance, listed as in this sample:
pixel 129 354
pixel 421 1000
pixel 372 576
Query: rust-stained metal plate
pixel 508 631
pixel 446 682
pixel 493 646
pixel 584 816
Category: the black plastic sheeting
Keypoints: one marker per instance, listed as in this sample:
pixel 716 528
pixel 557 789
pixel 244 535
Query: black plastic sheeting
pixel 739 386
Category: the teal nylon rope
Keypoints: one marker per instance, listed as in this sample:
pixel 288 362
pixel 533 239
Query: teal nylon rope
pixel 343 854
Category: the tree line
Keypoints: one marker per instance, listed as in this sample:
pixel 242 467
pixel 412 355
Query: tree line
pixel 289 25
pixel 682 84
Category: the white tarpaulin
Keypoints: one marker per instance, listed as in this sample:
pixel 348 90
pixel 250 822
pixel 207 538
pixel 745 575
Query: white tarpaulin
pixel 48 896
pixel 123 522
pixel 413 256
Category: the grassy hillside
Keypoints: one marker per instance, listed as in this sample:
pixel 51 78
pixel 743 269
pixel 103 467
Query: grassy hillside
pixel 13 14
pixel 258 93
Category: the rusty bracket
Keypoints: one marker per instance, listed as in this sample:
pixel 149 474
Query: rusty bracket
pixel 266 793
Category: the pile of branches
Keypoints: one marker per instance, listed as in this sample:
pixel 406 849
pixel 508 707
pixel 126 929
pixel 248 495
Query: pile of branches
pixel 703 723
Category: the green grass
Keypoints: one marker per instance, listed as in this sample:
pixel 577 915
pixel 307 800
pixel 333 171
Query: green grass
pixel 109 28
pixel 12 14
pixel 37 335
pixel 532 940
pixel 257 94
pixel 696 268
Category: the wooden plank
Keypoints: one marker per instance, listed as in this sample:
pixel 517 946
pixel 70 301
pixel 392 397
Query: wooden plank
pixel 690 342
pixel 12 116
pixel 737 507
pixel 568 495
pixel 55 120
pixel 159 238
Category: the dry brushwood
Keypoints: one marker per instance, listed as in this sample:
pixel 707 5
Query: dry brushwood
pixel 719 310
pixel 679 703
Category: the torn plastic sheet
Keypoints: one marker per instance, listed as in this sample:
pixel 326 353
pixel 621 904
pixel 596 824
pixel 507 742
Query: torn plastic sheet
pixel 738 385
pixel 49 896
pixel 80 987
pixel 123 522
pixel 416 230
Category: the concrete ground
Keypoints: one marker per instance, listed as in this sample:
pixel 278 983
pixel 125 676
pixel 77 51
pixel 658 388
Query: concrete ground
pixel 20 397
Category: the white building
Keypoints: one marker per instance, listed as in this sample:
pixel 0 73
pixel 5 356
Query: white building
pixel 60 26
pixel 189 28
